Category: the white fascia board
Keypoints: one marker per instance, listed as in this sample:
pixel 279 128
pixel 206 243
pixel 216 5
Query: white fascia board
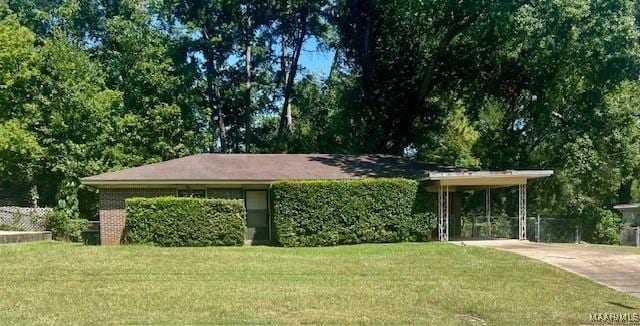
pixel 528 174
pixel 627 206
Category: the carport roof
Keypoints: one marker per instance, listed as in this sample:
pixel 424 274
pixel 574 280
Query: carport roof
pixel 263 168
pixel 622 207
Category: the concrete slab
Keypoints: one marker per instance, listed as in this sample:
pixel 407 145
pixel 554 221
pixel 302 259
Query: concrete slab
pixel 22 236
pixel 618 268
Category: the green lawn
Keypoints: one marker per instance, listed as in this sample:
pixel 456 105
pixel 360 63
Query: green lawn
pixel 58 283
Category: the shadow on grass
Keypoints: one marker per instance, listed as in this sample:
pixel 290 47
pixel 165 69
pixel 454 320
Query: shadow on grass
pixel 622 305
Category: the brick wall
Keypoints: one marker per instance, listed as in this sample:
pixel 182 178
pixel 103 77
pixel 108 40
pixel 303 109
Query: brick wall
pixel 113 214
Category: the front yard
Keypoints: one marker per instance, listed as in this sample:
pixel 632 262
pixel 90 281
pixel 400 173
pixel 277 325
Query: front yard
pixel 55 283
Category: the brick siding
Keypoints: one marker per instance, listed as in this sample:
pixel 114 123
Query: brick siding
pixel 113 214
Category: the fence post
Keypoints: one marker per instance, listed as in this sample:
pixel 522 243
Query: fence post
pixel 538 228
pixel 638 236
pixel 577 234
pixel 473 227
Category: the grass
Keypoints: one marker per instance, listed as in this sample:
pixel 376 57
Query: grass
pixel 56 283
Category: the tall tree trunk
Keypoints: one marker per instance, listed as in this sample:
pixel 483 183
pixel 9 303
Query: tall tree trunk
pixel 222 129
pixel 213 91
pixel 249 90
pixel 286 120
pixel 284 65
pixel 334 66
pixel 34 197
pixel 367 54
pixel 210 104
pixel 624 192
pixel 401 128
pixel 236 138
pixel 426 85
pixel 364 12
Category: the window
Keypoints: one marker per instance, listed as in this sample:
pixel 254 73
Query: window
pixel 224 193
pixel 195 193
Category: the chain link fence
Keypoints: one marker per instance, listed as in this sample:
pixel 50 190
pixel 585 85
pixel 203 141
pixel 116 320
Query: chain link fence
pixel 630 236
pixel 539 229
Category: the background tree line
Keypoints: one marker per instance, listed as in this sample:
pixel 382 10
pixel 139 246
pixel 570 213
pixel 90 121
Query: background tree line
pixel 98 85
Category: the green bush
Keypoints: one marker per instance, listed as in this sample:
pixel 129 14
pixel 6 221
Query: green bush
pixel 185 222
pixel 64 228
pixel 322 213
pixel 598 225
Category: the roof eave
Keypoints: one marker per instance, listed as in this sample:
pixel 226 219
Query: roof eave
pixel 94 183
pixel 528 174
pixel 627 206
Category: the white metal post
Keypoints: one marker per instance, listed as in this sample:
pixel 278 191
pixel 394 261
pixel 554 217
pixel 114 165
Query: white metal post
pixel 538 228
pixel 443 213
pixel 522 212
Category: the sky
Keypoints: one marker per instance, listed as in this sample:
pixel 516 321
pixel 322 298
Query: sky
pixel 314 60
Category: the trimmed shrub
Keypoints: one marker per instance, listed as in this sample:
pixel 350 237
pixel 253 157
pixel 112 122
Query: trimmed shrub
pixel 185 222
pixel 64 228
pixel 323 213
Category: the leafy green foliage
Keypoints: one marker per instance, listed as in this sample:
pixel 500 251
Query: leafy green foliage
pixel 599 225
pixel 20 153
pixel 93 86
pixel 17 57
pixel 64 228
pixel 68 199
pixel 453 143
pixel 80 112
pixel 185 222
pixel 323 213
pixel 158 114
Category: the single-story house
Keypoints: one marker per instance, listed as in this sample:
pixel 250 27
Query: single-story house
pixel 249 176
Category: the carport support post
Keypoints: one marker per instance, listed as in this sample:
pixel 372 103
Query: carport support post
pixel 443 213
pixel 522 212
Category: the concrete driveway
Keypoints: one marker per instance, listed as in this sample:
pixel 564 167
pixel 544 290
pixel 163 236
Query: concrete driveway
pixel 615 267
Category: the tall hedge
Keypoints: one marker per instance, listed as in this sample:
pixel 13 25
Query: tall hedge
pixel 185 222
pixel 321 213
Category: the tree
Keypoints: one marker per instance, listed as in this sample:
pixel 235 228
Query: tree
pixel 206 30
pixel 453 143
pixel 56 114
pixel 91 86
pixel 20 156
pixel 160 112
pixel 403 51
pixel 17 58
pixel 297 21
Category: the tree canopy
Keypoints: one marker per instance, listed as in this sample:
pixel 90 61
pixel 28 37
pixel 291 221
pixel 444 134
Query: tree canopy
pixel 93 86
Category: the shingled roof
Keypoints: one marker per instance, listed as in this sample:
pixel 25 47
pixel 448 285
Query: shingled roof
pixel 271 167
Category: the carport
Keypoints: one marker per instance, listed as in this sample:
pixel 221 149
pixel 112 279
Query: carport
pixel 445 183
